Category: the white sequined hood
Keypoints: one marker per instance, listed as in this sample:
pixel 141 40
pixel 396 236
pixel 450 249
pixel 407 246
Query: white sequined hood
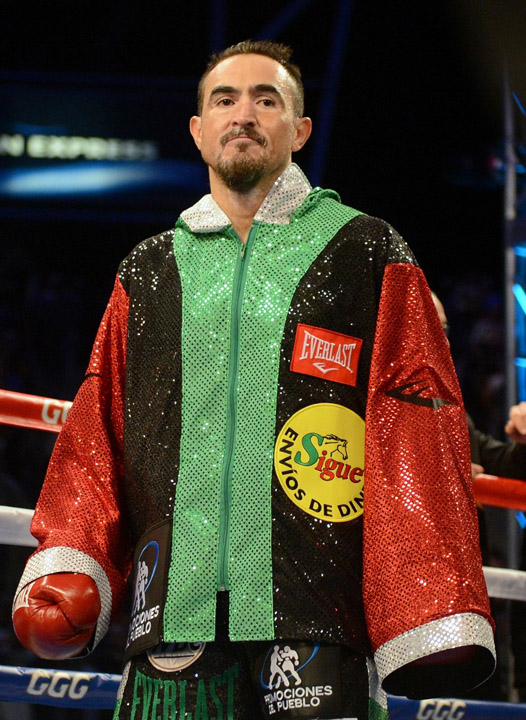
pixel 284 197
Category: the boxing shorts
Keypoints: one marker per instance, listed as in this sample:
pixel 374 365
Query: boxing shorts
pixel 223 680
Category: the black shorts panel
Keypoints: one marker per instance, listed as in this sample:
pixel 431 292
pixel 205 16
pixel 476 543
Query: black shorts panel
pixel 281 679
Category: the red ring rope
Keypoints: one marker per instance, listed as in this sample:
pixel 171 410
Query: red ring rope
pixel 500 492
pixel 32 411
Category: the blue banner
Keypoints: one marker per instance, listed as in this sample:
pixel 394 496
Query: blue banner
pixel 68 689
pixel 61 688
pixel 449 709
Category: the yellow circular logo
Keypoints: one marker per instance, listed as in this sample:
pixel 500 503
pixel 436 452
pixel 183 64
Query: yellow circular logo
pixel 319 460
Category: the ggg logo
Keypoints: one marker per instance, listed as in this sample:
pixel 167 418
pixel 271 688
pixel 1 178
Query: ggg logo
pixel 441 710
pixel 319 460
pixel 58 683
pixel 55 412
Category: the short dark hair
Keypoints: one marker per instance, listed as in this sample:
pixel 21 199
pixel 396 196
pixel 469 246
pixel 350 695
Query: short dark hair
pixel 275 50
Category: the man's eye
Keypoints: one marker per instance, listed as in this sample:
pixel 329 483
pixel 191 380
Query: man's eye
pixel 225 101
pixel 268 102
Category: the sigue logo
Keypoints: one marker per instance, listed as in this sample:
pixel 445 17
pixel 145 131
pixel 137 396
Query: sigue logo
pixel 441 710
pixel 319 461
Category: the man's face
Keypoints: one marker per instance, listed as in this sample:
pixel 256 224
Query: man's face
pixel 247 130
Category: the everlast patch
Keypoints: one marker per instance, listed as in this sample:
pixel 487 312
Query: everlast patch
pixel 201 699
pixel 326 354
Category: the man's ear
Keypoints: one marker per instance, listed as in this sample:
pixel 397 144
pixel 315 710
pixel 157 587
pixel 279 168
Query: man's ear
pixel 302 131
pixel 195 130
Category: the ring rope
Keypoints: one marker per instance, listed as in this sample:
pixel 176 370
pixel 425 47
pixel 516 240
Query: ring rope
pixel 60 688
pixel 15 522
pixel 500 492
pixel 87 690
pixel 505 583
pixel 33 411
pixel 14 526
pixel 401 708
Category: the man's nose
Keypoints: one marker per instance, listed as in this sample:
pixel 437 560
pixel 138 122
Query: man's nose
pixel 244 113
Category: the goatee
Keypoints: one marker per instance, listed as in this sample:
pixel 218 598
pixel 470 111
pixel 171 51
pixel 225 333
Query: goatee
pixel 241 173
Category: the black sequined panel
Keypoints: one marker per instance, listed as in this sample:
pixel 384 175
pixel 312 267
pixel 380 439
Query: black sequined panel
pixel 318 563
pixel 153 381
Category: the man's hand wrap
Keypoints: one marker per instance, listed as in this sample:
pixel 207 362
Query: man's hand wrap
pixel 55 616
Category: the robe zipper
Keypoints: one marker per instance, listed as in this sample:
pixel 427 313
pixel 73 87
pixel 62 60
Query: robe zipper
pixel 231 420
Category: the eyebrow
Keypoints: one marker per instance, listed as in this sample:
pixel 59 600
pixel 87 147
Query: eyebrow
pixel 222 89
pixel 267 89
pixel 255 89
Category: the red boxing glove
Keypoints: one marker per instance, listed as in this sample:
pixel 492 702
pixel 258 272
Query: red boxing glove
pixel 55 616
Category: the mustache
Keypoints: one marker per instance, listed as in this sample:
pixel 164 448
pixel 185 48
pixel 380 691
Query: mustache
pixel 243 133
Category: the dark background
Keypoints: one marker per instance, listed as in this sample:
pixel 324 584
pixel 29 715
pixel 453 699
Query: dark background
pixel 417 116
pixel 407 103
pixel 408 99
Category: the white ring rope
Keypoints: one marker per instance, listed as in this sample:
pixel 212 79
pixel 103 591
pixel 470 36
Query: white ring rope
pixel 15 522
pixel 14 526
pixel 505 583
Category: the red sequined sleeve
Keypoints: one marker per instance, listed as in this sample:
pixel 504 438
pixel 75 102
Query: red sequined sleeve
pixel 424 589
pixel 78 520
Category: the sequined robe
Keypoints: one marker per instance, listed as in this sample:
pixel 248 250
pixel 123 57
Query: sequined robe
pixel 280 419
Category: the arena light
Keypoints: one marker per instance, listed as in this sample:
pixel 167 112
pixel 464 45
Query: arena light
pixel 99 178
